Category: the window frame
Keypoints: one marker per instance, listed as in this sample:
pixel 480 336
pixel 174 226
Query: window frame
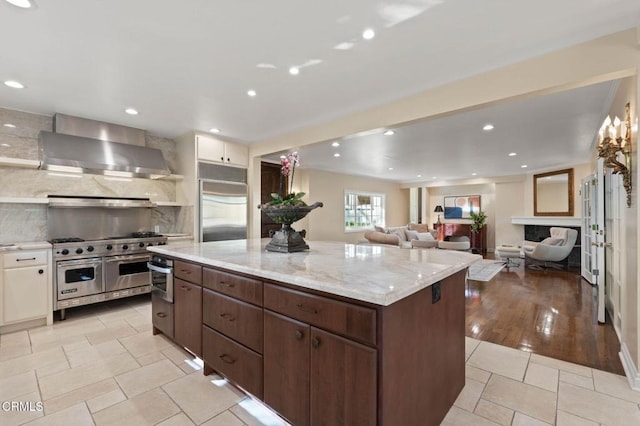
pixel 346 218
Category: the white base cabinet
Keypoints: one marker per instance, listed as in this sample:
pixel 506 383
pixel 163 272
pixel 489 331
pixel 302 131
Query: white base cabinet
pixel 26 290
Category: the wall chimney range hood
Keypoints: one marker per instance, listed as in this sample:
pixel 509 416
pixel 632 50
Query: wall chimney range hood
pixel 87 146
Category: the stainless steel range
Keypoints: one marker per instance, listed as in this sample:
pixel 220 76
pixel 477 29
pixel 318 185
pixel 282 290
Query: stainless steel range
pixel 90 268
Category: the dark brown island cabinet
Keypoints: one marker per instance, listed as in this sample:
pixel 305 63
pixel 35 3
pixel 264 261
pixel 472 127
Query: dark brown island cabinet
pixel 321 359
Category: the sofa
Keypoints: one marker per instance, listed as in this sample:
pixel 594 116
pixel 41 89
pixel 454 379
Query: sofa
pixel 413 235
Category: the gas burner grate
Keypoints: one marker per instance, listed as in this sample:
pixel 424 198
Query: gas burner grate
pixel 67 240
pixel 146 234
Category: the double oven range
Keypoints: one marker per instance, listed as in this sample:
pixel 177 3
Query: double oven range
pixel 97 270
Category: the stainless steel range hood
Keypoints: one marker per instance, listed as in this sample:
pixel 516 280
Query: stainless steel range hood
pixel 79 153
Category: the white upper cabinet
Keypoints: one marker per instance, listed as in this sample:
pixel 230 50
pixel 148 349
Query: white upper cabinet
pixel 217 151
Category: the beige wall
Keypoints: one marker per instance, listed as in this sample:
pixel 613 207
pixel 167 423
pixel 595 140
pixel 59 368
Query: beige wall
pixel 327 223
pixel 509 201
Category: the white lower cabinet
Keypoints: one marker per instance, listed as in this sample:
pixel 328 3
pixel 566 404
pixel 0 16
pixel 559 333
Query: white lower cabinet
pixel 26 287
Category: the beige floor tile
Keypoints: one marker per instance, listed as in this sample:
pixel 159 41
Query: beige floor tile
pixel 183 359
pixel 576 379
pixel 89 392
pixel 566 419
pixel 76 415
pixel 501 360
pixel 76 378
pixel 527 399
pixel 254 413
pixel 13 345
pixel 47 344
pixel 597 407
pixel 49 360
pixel 16 415
pixel 199 398
pixel 542 377
pixel 459 417
pixel 145 343
pixel 614 385
pixel 150 376
pixel 150 358
pixel 110 333
pixel 94 354
pixel 470 395
pixel 561 365
pixel 16 385
pixel 148 408
pixel 224 419
pixel 140 323
pixel 523 420
pixel 178 420
pixel 470 345
pixel 494 412
pixel 10 352
pixel 107 400
pixel 476 374
pixel 118 314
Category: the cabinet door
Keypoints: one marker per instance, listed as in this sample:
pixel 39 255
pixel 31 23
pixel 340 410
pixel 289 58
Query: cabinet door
pixel 210 149
pixel 236 154
pixel 343 381
pixel 187 307
pixel 25 294
pixel 286 367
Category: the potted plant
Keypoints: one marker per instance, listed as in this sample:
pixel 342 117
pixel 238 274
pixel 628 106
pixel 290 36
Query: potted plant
pixel 478 221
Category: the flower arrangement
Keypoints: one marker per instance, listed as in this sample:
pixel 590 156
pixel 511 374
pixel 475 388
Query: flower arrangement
pixel 288 166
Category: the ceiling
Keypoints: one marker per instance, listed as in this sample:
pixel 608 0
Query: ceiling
pixel 188 65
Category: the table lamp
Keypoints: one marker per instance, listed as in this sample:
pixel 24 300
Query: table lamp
pixel 438 209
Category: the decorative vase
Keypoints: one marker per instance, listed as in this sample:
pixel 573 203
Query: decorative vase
pixel 287 239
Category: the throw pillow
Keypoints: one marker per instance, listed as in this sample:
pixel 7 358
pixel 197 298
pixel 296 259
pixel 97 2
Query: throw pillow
pixel 425 236
pixel 399 233
pixel 553 241
pixel 420 227
pixel 381 229
pixel 411 235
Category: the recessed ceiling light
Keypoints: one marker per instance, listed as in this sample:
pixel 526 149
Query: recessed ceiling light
pixel 488 127
pixel 294 70
pixel 251 93
pixel 214 130
pixel 524 166
pixel 390 169
pixel 131 111
pixel 474 174
pixel 418 175
pixel 283 156
pixel 389 133
pixel 337 154
pixel 24 4
pixel 14 84
pixel 335 144
pixel 5 144
pixel 434 177
pixel 13 126
pixel 368 34
pixel 512 154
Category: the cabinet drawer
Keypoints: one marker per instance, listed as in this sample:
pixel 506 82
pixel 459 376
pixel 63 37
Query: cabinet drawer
pixel 238 320
pixel 343 318
pixel 241 365
pixel 162 315
pixel 188 272
pixel 242 288
pixel 21 259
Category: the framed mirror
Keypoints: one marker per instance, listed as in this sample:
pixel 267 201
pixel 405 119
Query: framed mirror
pixel 553 193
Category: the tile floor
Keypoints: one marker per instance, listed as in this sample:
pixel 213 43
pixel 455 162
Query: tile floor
pixel 103 366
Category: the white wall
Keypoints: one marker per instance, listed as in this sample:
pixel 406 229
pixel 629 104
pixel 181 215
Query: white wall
pixel 509 201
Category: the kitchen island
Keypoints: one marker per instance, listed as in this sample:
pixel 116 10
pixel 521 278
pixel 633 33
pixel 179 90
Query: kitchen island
pixel 340 334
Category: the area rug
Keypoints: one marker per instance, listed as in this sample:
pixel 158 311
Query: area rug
pixel 485 269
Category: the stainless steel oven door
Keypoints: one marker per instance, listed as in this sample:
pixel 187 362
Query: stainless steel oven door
pixel 75 278
pixel 162 278
pixel 122 272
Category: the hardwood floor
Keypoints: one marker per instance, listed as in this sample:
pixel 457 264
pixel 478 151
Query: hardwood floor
pixel 551 313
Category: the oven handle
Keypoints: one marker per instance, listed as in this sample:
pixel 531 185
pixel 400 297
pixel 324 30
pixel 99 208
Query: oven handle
pixel 88 262
pixel 153 267
pixel 127 258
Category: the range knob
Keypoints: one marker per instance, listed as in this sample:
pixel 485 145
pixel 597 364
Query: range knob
pixel 79 251
pixel 149 244
pixel 140 245
pixel 90 248
pixel 64 251
pixel 125 247
pixel 161 243
pixel 109 247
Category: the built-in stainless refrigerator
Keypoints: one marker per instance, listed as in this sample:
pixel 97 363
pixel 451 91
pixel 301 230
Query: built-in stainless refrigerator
pixel 223 210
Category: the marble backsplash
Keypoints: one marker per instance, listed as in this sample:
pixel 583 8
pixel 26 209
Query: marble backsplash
pixel 22 223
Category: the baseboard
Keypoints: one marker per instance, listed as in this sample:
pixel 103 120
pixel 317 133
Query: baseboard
pixel 630 369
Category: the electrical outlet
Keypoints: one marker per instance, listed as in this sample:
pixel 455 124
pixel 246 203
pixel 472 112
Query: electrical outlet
pixel 435 293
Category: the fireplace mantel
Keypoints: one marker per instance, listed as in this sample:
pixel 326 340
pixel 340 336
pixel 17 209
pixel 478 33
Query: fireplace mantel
pixel 546 220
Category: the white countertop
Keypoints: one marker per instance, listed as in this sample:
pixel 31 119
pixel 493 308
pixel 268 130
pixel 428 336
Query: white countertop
pixel 25 246
pixel 370 273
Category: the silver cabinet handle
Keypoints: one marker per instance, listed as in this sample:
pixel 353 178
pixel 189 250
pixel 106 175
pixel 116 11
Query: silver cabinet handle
pixel 153 267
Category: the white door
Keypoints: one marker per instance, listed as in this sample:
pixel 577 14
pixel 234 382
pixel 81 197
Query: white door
pixel 589 228
pixel 598 236
pixel 615 199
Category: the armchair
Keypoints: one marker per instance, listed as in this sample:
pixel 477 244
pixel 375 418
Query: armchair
pixel 553 249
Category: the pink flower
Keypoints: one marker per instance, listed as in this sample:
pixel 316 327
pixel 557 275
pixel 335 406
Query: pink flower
pixel 285 167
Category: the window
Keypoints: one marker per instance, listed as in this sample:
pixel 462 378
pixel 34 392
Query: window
pixel 362 210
